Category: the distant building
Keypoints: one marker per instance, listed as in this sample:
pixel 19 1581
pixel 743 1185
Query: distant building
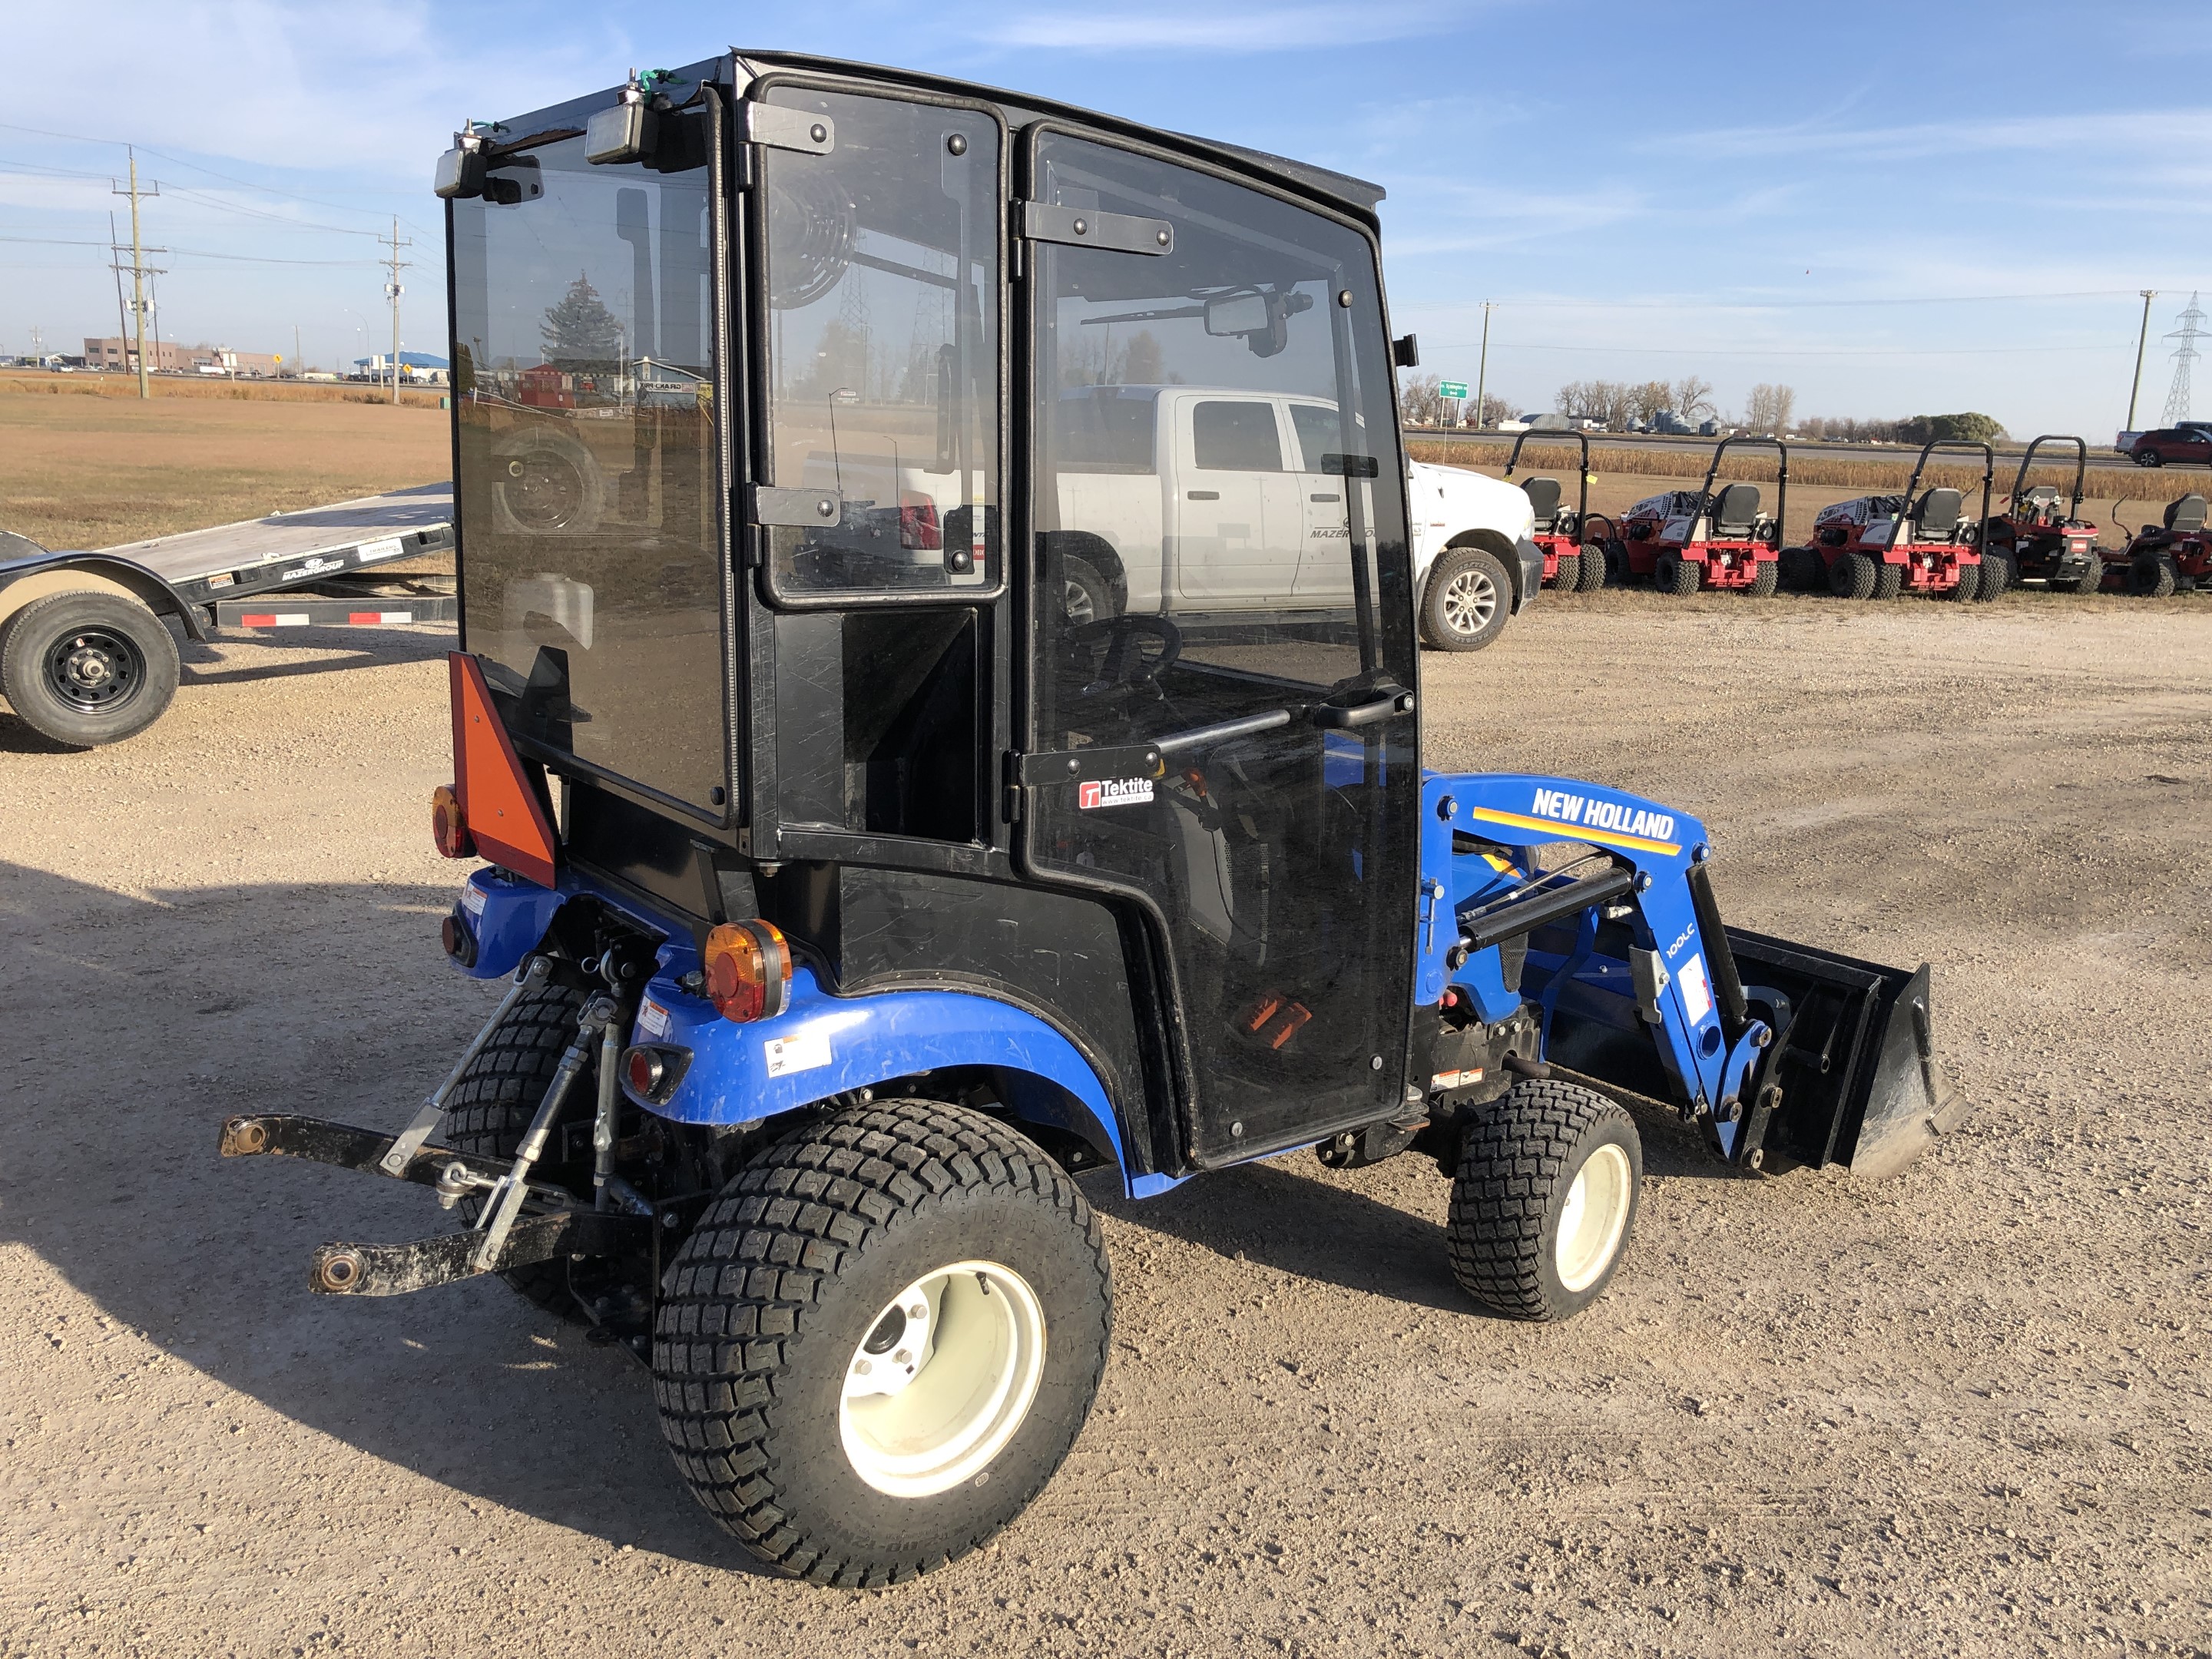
pixel 167 357
pixel 418 366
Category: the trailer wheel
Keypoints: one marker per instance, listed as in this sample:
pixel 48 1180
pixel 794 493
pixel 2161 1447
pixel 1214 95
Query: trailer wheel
pixel 1544 1201
pixel 1567 574
pixel 1852 576
pixel 1467 601
pixel 1766 578
pixel 881 1340
pixel 2153 576
pixel 1673 574
pixel 1595 562
pixel 498 1094
pixel 88 668
pixel 1996 576
pixel 1970 578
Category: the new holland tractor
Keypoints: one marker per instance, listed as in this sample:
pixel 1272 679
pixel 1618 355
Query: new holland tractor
pixel 1573 538
pixel 1685 540
pixel 857 904
pixel 1876 547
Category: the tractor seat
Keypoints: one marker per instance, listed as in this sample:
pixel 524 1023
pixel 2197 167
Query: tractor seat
pixel 1937 514
pixel 1735 512
pixel 2186 516
pixel 1543 499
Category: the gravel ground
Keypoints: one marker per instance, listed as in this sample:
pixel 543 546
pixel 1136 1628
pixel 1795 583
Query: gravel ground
pixel 1962 1412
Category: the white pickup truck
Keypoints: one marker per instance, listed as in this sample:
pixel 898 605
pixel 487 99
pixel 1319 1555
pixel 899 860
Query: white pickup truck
pixel 1181 499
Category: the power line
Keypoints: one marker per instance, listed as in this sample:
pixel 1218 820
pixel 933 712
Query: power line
pixel 199 253
pixel 1784 351
pixel 1775 305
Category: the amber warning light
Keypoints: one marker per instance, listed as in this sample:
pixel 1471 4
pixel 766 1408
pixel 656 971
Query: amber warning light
pixel 748 970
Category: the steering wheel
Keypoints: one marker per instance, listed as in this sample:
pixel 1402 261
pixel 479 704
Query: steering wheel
pixel 1129 667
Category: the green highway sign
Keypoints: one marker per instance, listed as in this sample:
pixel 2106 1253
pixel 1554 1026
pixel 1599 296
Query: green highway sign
pixel 1452 389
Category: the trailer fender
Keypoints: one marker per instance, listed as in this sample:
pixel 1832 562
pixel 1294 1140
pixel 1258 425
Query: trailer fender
pixel 823 1046
pixel 28 582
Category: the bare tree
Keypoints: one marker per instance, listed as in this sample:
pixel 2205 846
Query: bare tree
pixel 1420 403
pixel 1693 396
pixel 1769 407
pixel 1645 401
pixel 1494 410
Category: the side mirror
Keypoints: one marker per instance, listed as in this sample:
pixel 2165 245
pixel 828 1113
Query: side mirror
pixel 1405 351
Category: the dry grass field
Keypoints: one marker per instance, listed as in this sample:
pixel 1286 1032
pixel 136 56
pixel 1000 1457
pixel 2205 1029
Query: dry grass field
pixel 94 471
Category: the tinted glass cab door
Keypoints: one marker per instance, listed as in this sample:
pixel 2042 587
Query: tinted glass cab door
pixel 1273 845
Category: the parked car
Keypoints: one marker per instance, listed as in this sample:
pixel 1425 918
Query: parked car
pixel 2188 443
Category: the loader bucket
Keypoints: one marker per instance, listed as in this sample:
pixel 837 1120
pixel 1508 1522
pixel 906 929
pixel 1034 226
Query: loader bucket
pixel 1854 1060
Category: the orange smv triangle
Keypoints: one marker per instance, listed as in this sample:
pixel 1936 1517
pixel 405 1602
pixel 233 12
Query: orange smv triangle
pixel 500 809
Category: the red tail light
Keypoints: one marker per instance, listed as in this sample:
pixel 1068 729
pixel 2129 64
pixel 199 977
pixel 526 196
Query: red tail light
pixel 919 531
pixel 748 967
pixel 449 826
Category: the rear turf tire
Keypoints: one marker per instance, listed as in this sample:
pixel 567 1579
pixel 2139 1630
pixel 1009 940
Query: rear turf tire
pixel 2090 581
pixel 498 1094
pixel 1544 1199
pixel 1853 576
pixel 1766 578
pixel 1888 580
pixel 1996 576
pixel 1970 578
pixel 1567 574
pixel 2153 576
pixel 1595 562
pixel 1671 573
pixel 793 1281
pixel 87 668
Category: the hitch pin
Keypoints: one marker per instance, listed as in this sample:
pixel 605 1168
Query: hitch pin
pixel 411 1138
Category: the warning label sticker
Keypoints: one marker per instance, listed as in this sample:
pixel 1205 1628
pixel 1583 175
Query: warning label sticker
pixel 1697 991
pixel 806 1052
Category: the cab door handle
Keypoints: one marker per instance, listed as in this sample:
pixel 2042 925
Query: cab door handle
pixel 1335 717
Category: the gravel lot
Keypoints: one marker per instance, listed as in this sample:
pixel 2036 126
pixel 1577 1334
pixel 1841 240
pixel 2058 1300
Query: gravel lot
pixel 1963 1412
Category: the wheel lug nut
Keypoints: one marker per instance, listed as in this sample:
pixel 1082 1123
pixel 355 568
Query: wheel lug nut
pixel 862 1368
pixel 904 1357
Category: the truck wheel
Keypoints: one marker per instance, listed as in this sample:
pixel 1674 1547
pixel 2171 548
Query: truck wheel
pixel 1970 578
pixel 2152 576
pixel 1766 578
pixel 1889 579
pixel 1594 563
pixel 1567 574
pixel 498 1094
pixel 1852 576
pixel 1996 576
pixel 1544 1201
pixel 1085 594
pixel 88 668
pixel 1673 574
pixel 881 1340
pixel 1468 598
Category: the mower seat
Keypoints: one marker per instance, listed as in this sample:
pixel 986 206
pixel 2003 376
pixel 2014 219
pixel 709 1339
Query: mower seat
pixel 1543 499
pixel 1735 512
pixel 2186 516
pixel 1937 515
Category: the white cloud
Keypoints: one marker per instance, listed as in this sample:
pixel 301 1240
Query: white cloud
pixel 1278 29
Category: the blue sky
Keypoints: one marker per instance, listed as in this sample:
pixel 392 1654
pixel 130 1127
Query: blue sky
pixel 1893 209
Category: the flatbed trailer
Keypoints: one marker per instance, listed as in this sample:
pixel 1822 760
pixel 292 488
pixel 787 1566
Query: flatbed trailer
pixel 87 655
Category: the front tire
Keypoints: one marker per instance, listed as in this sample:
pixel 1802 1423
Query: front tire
pixel 1766 578
pixel 1970 578
pixel 1567 574
pixel 1597 562
pixel 2090 580
pixel 1996 576
pixel 1675 574
pixel 1544 1201
pixel 88 668
pixel 2153 576
pixel 799 1409
pixel 1467 601
pixel 2149 458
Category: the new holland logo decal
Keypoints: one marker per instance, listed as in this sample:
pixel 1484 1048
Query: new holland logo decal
pixel 1593 819
pixel 1114 792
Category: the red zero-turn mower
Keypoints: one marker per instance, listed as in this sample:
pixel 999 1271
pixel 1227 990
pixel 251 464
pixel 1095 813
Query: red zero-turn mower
pixel 2160 561
pixel 2032 538
pixel 1573 541
pixel 1876 547
pixel 1687 539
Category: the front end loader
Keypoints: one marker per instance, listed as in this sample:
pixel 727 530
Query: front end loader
pixel 855 910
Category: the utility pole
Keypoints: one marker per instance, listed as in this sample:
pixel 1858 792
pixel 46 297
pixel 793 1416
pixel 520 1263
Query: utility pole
pixel 298 368
pixel 391 292
pixel 1482 374
pixel 115 265
pixel 139 271
pixel 2142 337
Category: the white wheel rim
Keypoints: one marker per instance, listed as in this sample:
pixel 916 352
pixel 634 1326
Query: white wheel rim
pixel 945 1376
pixel 1470 598
pixel 1075 603
pixel 1593 1218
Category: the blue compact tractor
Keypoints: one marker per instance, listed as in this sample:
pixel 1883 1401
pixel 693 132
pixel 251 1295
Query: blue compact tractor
pixel 855 891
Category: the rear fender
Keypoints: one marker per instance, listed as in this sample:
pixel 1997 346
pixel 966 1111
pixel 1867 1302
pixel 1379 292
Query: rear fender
pixel 823 1046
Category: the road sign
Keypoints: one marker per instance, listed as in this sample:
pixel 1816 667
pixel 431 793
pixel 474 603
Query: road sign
pixel 1452 389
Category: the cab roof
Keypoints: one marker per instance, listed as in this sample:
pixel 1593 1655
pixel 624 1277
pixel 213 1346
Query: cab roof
pixel 739 68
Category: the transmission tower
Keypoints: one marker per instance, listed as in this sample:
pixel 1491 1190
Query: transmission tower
pixel 2177 395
